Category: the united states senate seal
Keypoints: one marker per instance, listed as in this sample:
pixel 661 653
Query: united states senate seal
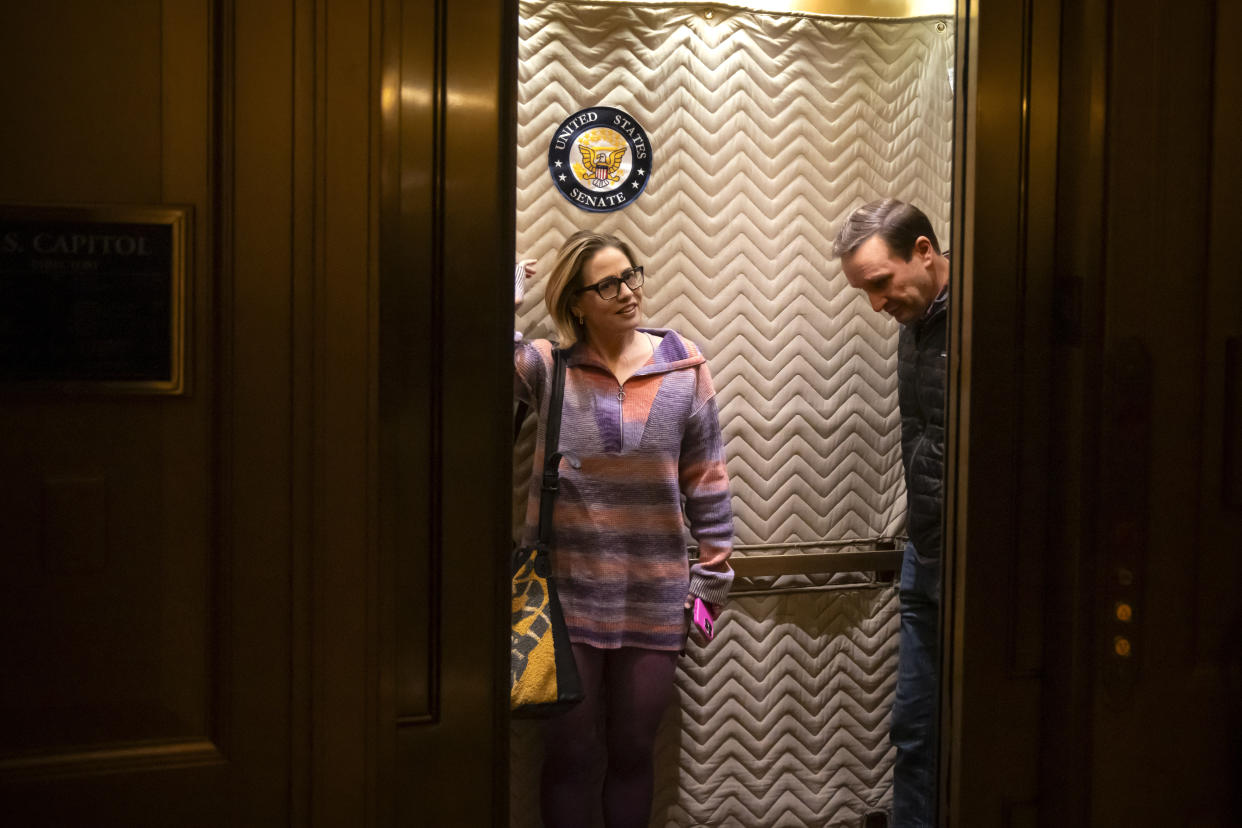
pixel 600 159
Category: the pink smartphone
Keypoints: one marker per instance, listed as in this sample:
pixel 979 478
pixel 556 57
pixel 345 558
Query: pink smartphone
pixel 704 618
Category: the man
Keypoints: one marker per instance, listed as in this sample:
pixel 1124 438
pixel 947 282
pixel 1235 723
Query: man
pixel 889 251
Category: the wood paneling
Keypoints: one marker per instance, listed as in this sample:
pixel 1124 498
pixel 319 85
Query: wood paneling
pixel 195 599
pixel 445 404
pixel 112 698
pixel 257 443
pixel 82 100
pixel 344 297
pixel 411 327
pixel 1157 274
pixel 1135 327
pixel 106 496
pixel 189 581
pixel 996 517
pixel 1217 627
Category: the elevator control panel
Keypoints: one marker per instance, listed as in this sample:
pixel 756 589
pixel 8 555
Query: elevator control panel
pixel 1125 493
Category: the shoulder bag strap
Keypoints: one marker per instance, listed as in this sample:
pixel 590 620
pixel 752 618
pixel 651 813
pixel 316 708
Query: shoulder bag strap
pixel 519 415
pixel 551 449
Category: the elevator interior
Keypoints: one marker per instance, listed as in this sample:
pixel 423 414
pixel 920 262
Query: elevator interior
pixel 766 129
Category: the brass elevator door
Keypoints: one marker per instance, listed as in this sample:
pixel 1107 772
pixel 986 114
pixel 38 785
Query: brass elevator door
pixel 1093 518
pixel 275 598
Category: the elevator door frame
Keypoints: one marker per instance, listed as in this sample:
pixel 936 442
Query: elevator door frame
pixel 1031 184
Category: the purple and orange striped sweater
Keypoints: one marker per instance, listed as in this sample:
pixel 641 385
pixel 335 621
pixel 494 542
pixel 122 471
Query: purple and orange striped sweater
pixel 630 455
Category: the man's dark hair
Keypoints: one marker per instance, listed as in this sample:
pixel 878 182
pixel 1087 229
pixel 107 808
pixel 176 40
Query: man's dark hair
pixel 898 223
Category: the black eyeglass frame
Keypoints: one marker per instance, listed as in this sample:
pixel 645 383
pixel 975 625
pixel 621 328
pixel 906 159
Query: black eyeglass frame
pixel 614 283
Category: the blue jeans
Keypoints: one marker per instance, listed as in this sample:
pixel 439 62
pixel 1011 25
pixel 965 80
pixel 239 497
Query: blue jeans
pixel 915 708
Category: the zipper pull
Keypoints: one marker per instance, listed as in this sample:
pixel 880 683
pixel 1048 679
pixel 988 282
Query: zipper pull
pixel 620 393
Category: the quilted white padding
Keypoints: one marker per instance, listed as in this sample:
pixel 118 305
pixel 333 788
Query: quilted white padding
pixel 783 719
pixel 767 129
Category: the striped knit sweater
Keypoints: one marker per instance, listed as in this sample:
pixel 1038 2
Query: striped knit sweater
pixel 630 455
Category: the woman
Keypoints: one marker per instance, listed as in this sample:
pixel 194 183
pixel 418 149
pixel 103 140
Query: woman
pixel 639 432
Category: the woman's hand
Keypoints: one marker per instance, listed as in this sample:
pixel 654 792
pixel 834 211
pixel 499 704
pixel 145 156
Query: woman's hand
pixel 523 270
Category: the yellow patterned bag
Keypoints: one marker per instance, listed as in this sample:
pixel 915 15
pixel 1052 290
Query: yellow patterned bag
pixel 543 677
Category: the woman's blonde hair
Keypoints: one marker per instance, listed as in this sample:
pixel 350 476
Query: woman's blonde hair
pixel 566 277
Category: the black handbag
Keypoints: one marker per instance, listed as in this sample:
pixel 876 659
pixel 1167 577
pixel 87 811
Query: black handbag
pixel 543 676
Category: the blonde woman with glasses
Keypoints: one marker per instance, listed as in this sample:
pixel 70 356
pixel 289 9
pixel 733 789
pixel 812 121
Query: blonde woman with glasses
pixel 639 436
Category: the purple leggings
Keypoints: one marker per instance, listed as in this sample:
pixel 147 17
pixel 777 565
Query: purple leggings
pixel 631 688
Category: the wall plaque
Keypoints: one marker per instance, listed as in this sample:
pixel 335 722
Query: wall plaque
pixel 600 159
pixel 93 298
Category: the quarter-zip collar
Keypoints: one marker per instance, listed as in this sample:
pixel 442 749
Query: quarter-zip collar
pixel 672 354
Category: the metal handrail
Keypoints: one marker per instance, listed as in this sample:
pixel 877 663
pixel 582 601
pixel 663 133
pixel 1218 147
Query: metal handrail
pixel 823 563
pixel 878 554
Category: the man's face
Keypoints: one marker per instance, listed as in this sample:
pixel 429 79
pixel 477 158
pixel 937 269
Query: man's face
pixel 903 290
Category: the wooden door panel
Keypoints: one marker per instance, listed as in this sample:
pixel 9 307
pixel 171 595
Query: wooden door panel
pixel 105 497
pixel 445 402
pixel 237 605
pixel 145 601
pixel 1162 748
pixel 1134 303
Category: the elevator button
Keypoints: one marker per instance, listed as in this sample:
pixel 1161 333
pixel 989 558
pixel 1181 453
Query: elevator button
pixel 1121 646
pixel 1124 612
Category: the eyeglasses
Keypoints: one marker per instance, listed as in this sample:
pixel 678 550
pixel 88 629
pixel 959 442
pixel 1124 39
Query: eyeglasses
pixel 609 288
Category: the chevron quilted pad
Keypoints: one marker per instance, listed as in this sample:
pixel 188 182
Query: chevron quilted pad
pixel 767 130
pixel 781 721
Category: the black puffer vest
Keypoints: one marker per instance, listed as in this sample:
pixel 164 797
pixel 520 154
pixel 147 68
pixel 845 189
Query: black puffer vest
pixel 922 370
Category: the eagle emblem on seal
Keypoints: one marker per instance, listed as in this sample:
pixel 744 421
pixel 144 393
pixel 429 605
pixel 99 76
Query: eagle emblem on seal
pixel 603 165
pixel 600 159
